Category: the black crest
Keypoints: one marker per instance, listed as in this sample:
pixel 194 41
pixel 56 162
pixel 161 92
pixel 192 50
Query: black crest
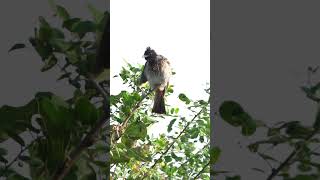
pixel 149 53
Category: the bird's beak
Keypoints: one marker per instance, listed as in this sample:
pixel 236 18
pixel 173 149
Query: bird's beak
pixel 144 56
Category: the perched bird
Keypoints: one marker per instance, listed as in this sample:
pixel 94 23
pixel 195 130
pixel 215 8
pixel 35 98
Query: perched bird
pixel 157 72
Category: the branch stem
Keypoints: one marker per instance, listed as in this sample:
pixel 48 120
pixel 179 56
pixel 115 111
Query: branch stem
pixel 17 157
pixel 296 151
pixel 174 141
pixel 89 139
pixel 202 170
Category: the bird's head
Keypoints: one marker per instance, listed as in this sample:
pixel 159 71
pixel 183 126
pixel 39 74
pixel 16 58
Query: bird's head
pixel 149 54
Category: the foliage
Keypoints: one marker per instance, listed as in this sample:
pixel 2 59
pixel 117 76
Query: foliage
pixel 59 127
pixel 180 153
pixel 56 125
pixel 301 163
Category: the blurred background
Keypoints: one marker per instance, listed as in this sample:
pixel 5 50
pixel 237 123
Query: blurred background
pixel 20 74
pixel 262 51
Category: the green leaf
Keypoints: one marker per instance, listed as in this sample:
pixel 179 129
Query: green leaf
pixel 3 152
pixel 85 111
pixel 304 167
pixel 60 45
pixel 35 162
pixel 176 110
pixel 25 158
pixel 63 76
pixel 194 133
pixel 83 27
pixel 229 110
pixel 73 56
pixel 296 130
pixel 85 170
pixel 43 22
pixel 24 124
pixel 304 177
pixel 62 13
pixel 56 34
pixel 42 49
pixel 184 98
pixel 306 89
pixel 253 147
pixel 174 156
pixel 44 33
pixel 233 114
pixel 214 154
pixel 248 127
pixel 97 15
pixel 167 159
pixel 139 154
pixel 169 129
pixel 70 22
pixel 316 124
pixel 11 118
pixel 233 178
pixel 267 157
pixel 17 46
pixel 2 159
pixel 58 117
pixel 273 131
pixel 48 33
pixel 49 63
pixel 16 176
pixel 136 130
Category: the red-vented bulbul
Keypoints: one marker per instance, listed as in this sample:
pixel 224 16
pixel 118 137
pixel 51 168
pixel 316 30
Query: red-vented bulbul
pixel 157 72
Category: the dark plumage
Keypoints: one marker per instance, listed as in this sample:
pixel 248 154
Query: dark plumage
pixel 157 72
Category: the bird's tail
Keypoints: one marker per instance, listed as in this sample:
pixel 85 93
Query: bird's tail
pixel 159 105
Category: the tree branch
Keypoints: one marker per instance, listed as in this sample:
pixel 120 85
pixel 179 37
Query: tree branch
pixel 296 151
pixel 202 170
pixel 125 122
pixel 89 139
pixel 102 62
pixel 172 143
pixel 17 157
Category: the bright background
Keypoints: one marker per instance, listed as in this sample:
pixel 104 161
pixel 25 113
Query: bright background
pixel 177 29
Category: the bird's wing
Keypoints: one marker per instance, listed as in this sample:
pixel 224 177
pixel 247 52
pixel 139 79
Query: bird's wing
pixel 143 77
pixel 163 59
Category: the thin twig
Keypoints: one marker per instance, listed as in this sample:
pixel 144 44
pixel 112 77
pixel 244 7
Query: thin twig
pixel 89 139
pixel 267 149
pixel 172 143
pixel 275 172
pixel 105 96
pixel 74 155
pixel 189 175
pixel 126 120
pixel 17 157
pixel 200 151
pixel 202 170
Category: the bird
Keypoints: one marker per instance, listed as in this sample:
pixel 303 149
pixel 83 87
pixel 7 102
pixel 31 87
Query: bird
pixel 157 71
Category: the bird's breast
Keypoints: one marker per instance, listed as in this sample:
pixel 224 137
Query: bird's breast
pixel 158 73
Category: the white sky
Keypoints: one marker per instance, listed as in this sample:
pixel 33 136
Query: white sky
pixel 176 29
